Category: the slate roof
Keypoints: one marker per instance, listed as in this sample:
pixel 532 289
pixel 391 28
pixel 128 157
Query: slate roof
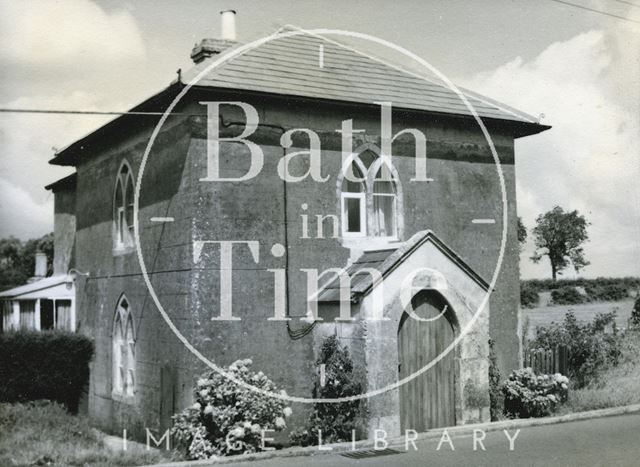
pixel 386 261
pixel 291 66
pixel 68 182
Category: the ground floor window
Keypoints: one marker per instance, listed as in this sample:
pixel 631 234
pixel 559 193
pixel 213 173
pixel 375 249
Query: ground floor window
pixel 63 315
pixel 124 358
pixel 27 314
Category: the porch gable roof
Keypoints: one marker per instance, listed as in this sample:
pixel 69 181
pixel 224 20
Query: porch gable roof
pixel 385 261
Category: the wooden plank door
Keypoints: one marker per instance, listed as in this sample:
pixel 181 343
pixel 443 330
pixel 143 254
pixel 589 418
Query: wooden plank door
pixel 427 401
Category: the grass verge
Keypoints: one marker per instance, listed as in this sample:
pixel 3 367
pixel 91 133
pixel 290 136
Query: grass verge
pixel 44 433
pixel 616 386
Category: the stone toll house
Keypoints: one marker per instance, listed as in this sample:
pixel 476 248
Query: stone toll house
pixel 142 374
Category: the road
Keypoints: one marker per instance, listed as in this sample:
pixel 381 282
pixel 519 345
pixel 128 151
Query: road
pixel 610 441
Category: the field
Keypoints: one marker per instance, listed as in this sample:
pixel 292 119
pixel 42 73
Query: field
pixel 545 315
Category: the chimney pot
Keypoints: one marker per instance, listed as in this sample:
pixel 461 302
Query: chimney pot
pixel 209 47
pixel 228 25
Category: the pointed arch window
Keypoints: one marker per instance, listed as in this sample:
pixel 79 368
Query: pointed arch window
pixel 123 208
pixel 124 351
pixel 369 198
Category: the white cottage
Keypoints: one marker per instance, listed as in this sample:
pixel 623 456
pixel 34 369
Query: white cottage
pixel 43 303
pixel 48 302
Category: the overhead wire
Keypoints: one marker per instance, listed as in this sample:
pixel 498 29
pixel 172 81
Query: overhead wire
pixel 593 10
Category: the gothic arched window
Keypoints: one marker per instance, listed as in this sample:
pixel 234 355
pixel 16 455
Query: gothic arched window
pixel 369 197
pixel 123 208
pixel 124 350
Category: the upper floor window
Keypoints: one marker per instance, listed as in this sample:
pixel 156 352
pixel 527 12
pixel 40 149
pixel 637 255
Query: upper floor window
pixel 123 208
pixel 124 350
pixel 369 198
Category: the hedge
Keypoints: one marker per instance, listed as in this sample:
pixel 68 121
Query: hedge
pixel 51 365
pixel 542 285
pixel 607 293
pixel 567 295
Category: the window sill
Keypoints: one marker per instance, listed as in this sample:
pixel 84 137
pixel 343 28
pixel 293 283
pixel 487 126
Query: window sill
pixel 370 243
pixel 129 399
pixel 123 250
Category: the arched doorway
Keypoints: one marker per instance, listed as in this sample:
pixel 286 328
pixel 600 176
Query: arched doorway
pixel 427 401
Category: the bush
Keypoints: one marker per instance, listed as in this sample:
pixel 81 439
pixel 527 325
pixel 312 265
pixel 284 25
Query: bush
pixel 634 320
pixel 51 365
pixel 529 395
pixel 592 347
pixel 567 295
pixel 617 386
pixel 332 422
pixel 607 293
pixel 529 297
pixel 496 398
pixel 227 418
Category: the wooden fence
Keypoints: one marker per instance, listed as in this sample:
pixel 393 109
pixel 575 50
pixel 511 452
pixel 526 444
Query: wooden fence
pixel 548 361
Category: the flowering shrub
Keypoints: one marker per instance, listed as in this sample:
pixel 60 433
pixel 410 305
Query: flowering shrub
pixel 593 346
pixel 332 423
pixel 226 418
pixel 529 395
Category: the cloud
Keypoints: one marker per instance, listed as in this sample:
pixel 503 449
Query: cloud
pixel 67 55
pixel 66 33
pixel 589 159
pixel 26 142
pixel 21 215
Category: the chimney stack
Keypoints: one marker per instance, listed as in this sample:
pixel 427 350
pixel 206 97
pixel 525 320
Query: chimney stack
pixel 210 47
pixel 41 266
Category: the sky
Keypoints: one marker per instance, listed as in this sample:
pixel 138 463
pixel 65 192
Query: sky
pixel 579 68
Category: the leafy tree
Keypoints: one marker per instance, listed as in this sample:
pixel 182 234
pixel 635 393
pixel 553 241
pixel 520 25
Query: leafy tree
pixel 10 263
pixel 17 259
pixel 560 235
pixel 522 233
